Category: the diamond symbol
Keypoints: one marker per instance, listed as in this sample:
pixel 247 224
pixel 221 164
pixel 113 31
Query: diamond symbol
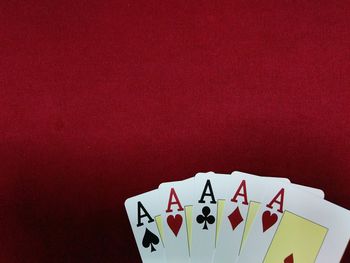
pixel 289 259
pixel 235 218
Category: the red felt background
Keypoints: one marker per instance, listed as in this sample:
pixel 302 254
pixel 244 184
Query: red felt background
pixel 103 100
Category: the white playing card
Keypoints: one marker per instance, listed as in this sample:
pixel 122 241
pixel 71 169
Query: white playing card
pixel 296 226
pixel 206 193
pixel 142 210
pixel 174 199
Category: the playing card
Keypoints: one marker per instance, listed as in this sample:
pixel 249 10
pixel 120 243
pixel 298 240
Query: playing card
pixel 294 225
pixel 206 194
pixel 142 210
pixel 174 198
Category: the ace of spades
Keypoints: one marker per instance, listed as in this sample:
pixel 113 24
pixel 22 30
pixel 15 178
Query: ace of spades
pixel 141 210
pixel 175 198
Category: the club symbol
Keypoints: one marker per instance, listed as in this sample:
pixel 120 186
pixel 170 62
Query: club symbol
pixel 205 218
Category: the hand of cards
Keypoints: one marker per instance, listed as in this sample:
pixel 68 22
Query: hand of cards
pixel 240 218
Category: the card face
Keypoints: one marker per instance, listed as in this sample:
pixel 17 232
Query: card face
pixel 241 190
pixel 294 225
pixel 204 218
pixel 142 210
pixel 298 238
pixel 174 198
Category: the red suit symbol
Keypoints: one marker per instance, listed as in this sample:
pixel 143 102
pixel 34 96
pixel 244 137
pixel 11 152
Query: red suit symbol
pixel 235 218
pixel 289 259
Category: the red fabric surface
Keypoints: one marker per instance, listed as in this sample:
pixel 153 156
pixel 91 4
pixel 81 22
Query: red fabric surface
pixel 103 100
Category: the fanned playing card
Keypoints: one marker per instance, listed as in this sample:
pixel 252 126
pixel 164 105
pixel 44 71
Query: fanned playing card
pixel 142 210
pixel 206 193
pixel 294 225
pixel 174 199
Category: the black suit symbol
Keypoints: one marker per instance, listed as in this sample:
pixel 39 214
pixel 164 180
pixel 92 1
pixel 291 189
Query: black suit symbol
pixel 150 239
pixel 205 218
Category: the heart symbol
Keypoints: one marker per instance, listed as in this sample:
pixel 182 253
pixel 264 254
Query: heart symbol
pixel 174 223
pixel 268 220
pixel 289 259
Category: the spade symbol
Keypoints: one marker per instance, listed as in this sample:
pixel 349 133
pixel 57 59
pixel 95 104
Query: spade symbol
pixel 206 218
pixel 150 239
